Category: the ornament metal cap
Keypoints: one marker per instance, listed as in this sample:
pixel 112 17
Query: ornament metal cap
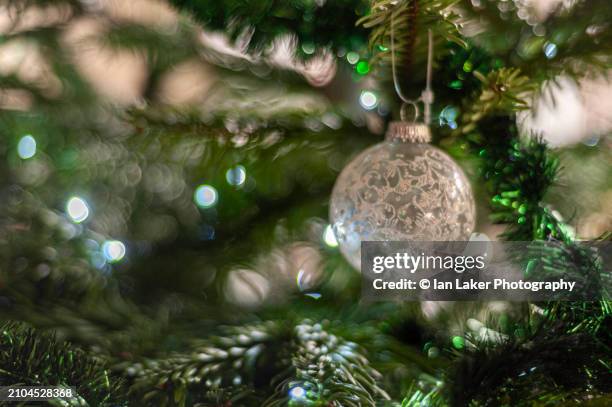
pixel 407 132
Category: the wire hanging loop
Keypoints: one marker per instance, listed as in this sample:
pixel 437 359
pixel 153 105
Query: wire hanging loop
pixel 396 83
pixel 427 95
pixel 415 108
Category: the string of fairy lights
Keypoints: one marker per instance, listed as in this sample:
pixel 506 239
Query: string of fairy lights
pixel 78 211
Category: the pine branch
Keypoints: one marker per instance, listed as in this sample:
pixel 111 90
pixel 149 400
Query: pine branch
pixel 484 21
pixel 15 8
pixel 503 91
pixel 410 20
pixel 256 24
pixel 30 358
pixel 574 40
pixel 418 398
pixel 518 172
pixel 326 371
pixel 164 50
pixel 310 365
pixel 229 366
pixel 47 95
pixel 403 17
pixel 549 365
pixel 518 186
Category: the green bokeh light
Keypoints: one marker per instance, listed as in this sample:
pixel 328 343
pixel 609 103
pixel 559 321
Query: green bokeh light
pixel 362 67
pixel 458 342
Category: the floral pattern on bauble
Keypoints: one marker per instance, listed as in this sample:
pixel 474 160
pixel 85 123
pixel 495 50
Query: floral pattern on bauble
pixel 400 191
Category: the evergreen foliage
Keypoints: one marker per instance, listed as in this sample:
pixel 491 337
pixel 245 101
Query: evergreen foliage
pixel 30 358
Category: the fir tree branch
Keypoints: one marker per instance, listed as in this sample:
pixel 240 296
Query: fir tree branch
pixel 503 91
pixel 257 24
pixel 310 364
pixel 518 172
pixel 418 398
pixel 226 366
pixel 403 17
pixel 31 358
pixel 518 186
pixel 551 364
pixel 574 40
pixel 326 371
pixel 410 20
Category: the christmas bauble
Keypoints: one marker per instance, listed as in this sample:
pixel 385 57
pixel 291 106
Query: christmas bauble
pixel 401 189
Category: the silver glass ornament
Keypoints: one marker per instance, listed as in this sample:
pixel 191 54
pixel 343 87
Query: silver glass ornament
pixel 401 189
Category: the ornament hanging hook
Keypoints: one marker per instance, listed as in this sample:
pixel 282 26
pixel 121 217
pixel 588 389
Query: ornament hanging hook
pixel 427 95
pixel 415 106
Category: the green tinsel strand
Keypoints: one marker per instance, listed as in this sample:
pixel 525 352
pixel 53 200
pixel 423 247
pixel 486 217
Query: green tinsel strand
pixel 518 172
pixel 547 366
